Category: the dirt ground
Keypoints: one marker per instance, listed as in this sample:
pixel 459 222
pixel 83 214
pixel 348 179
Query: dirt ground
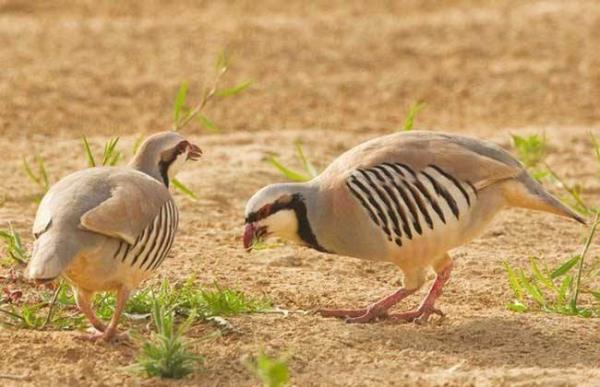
pixel 332 73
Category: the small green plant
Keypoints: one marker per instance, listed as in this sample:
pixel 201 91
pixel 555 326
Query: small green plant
pixel 166 354
pixel 225 302
pixel 554 291
pixel 110 156
pixel 573 194
pixel 178 185
pixel 186 299
pixel 39 315
pixel 40 178
pixel 531 150
pixel 183 114
pixel 272 372
pixel 309 171
pixel 414 109
pixel 14 246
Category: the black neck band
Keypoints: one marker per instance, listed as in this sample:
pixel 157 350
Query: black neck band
pixel 305 231
pixel 163 168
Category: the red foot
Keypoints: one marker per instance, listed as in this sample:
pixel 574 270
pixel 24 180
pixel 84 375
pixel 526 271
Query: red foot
pixel 370 313
pixel 108 336
pixel 419 316
pixel 355 315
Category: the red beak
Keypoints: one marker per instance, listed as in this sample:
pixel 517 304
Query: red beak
pixel 194 152
pixel 248 237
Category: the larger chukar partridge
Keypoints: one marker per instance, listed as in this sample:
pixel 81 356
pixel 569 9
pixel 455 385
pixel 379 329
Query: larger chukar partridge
pixel 406 198
pixel 110 228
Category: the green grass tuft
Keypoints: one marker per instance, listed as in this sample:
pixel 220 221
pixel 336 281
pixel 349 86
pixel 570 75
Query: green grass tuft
pixel 308 170
pixel 413 111
pixel 166 353
pixel 553 290
pixel 272 372
pixel 14 246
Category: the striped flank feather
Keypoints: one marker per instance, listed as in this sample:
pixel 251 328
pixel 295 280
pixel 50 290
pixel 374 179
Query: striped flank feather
pixel 154 243
pixel 404 202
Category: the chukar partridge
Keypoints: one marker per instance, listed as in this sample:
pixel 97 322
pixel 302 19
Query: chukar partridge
pixel 109 228
pixel 406 198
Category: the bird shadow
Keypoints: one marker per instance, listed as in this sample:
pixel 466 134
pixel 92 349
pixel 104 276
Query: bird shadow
pixel 502 341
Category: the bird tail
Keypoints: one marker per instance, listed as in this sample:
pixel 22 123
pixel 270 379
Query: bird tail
pixel 49 258
pixel 525 192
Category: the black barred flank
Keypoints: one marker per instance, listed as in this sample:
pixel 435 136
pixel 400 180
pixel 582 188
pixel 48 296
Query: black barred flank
pixel 441 191
pixel 454 181
pixel 386 203
pixel 403 215
pixel 391 210
pixel 393 195
pixel 421 204
pixel 363 203
pixel 434 204
pixel 373 203
pixel 153 244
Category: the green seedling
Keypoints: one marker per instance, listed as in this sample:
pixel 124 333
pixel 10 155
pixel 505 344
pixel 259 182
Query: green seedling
pixel 531 150
pixel 14 246
pixel 56 311
pixel 166 354
pixel 179 186
pixel 40 178
pixel 183 114
pixel 414 109
pixel 573 194
pixel 110 156
pixel 186 299
pixel 309 171
pixel 552 291
pixel 272 372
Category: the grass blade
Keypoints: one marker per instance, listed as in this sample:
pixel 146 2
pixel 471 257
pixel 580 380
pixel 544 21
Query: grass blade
pixel 531 288
pixel 179 102
pixel 43 173
pixel 183 189
pixel 513 280
pixel 88 152
pixel 414 109
pixel 288 173
pixel 539 276
pixel 565 267
pixel 208 124
pixel 234 90
pixel 306 164
pixel 586 247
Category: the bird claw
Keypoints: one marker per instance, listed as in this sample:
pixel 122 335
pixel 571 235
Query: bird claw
pixel 419 316
pixel 96 336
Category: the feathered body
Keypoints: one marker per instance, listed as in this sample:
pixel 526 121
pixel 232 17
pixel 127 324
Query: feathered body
pixel 406 198
pixel 84 229
pixel 110 228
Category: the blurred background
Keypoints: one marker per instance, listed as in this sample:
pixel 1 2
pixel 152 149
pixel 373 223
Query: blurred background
pixel 111 66
pixel 328 74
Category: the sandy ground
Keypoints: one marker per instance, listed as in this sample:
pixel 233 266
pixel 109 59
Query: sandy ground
pixel 337 71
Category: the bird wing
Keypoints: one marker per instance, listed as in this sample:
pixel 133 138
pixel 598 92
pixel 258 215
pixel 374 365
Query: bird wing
pixel 479 163
pixel 135 200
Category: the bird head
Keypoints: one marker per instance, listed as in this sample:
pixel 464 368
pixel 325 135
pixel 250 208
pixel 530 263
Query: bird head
pixel 162 155
pixel 276 210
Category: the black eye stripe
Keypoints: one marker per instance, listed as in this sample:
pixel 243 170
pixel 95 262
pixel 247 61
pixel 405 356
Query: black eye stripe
pixel 275 207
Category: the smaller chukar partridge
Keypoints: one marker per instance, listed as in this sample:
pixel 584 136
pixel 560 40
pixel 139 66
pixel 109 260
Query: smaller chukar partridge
pixel 405 198
pixel 110 228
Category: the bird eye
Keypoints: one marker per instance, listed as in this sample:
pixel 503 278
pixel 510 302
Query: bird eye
pixel 264 212
pixel 181 147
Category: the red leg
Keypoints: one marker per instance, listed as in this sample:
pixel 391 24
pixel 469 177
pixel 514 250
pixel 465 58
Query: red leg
pixel 427 308
pixel 371 312
pixel 83 300
pixel 110 332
